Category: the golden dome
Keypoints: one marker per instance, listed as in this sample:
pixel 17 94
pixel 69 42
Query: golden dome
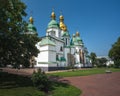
pixel 61 18
pixel 77 33
pixel 62 25
pixel 31 19
pixel 53 15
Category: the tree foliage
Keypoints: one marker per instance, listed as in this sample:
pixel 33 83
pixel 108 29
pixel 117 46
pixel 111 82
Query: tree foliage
pixel 93 58
pixel 16 48
pixel 41 81
pixel 101 62
pixel 114 53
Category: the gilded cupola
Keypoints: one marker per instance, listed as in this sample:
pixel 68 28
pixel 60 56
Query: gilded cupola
pixel 61 24
pixel 31 29
pixel 31 19
pixel 53 16
pixel 61 18
pixel 53 23
pixel 77 34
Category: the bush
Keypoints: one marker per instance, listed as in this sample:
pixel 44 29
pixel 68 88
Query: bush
pixel 117 63
pixel 41 81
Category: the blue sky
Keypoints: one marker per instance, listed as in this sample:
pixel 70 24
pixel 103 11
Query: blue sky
pixel 98 21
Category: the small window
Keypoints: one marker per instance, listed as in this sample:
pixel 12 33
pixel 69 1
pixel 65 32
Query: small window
pixel 66 41
pixel 61 48
pixel 56 56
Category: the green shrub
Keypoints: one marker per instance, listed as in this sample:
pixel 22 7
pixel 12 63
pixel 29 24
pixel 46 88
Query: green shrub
pixel 117 63
pixel 41 81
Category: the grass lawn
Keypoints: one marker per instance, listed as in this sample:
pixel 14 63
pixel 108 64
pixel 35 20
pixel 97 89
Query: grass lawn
pixel 84 72
pixel 14 85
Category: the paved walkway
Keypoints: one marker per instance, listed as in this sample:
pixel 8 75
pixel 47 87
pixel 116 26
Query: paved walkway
pixel 95 85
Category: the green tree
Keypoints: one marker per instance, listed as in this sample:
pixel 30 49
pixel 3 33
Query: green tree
pixel 114 53
pixel 16 48
pixel 101 62
pixel 93 58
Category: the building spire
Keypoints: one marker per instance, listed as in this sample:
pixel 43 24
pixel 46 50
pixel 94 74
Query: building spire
pixel 61 18
pixel 77 34
pixel 53 16
pixel 31 20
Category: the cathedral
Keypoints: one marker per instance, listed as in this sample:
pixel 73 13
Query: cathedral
pixel 57 50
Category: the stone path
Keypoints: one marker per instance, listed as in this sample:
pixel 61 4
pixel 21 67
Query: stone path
pixel 95 85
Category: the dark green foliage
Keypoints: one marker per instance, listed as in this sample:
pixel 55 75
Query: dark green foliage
pixel 15 85
pixel 117 63
pixel 114 53
pixel 8 81
pixel 93 58
pixel 41 81
pixel 101 62
pixel 15 48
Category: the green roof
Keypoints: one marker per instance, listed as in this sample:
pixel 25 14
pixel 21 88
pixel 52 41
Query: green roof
pixel 78 38
pixel 76 41
pixel 81 42
pixel 62 59
pixel 66 33
pixel 46 41
pixel 31 28
pixel 53 24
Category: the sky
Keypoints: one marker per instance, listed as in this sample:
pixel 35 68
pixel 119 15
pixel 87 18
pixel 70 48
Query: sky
pixel 98 21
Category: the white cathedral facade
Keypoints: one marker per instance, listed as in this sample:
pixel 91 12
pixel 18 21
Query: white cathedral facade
pixel 57 49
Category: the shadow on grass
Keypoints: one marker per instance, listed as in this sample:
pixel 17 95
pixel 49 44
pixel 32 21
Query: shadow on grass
pixel 24 86
pixel 56 86
pixel 59 84
pixel 8 81
pixel 57 78
pixel 58 81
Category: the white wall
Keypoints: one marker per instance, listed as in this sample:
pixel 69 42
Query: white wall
pixel 52 56
pixel 47 54
pixel 73 50
pixel 77 58
pixel 66 51
pixel 68 40
pixel 44 48
pixel 51 31
pixel 58 46
pixel 52 48
pixel 43 56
